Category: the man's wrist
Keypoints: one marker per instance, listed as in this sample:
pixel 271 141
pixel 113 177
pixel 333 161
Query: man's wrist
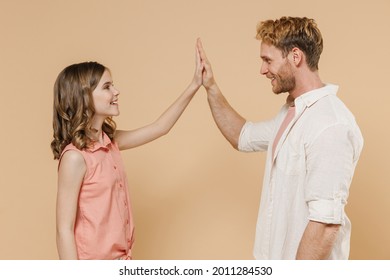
pixel 212 89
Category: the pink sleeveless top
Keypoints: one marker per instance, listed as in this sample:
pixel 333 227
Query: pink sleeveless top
pixel 104 226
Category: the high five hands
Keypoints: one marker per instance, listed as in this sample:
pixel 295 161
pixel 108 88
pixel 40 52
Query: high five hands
pixel 204 66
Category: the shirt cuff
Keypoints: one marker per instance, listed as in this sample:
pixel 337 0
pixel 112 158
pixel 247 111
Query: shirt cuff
pixel 327 211
pixel 242 138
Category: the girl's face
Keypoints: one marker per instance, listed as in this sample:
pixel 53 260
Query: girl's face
pixel 105 97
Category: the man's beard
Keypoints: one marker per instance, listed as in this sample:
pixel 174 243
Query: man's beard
pixel 285 80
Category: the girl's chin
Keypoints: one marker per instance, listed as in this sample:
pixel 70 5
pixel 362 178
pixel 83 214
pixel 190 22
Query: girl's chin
pixel 112 115
pixel 116 113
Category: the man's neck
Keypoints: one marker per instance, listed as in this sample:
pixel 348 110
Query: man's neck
pixel 306 82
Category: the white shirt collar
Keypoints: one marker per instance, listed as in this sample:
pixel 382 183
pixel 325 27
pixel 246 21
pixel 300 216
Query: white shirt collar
pixel 309 98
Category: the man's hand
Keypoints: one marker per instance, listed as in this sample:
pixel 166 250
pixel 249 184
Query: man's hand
pixel 208 76
pixel 197 81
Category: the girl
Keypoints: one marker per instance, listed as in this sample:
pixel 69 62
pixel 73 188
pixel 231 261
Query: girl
pixel 94 218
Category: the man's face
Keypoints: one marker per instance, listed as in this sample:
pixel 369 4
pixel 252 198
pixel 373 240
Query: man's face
pixel 276 68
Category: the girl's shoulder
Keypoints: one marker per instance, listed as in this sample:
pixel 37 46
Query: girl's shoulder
pixel 70 147
pixel 73 154
pixel 72 170
pixel 73 157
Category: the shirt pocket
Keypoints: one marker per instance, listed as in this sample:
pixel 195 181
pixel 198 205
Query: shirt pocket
pixel 290 161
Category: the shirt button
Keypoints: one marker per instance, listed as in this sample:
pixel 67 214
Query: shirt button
pixel 114 166
pixel 120 185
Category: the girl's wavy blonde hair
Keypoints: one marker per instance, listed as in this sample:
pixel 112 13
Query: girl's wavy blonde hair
pixel 289 32
pixel 73 107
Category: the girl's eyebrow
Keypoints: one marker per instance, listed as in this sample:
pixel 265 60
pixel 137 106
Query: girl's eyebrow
pixel 108 83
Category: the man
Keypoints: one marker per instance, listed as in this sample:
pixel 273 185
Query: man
pixel 313 146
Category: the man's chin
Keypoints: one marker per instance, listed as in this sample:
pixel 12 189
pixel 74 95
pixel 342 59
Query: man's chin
pixel 277 91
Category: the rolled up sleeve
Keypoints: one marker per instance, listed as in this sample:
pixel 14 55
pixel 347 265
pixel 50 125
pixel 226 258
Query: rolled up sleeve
pixel 255 137
pixel 330 168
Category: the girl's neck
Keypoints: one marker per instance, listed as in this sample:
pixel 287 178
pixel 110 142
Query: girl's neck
pixel 98 136
pixel 97 131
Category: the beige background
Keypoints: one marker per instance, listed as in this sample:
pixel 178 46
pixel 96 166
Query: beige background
pixel 194 197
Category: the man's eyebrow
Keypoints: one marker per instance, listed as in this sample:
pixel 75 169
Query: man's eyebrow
pixel 264 57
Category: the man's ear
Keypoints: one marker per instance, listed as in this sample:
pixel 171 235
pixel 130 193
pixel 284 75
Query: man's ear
pixel 297 56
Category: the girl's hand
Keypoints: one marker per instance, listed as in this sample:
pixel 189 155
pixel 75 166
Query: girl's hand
pixel 134 138
pixel 208 80
pixel 198 76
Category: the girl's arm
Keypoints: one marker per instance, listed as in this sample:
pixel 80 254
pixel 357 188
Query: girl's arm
pixel 143 135
pixel 70 176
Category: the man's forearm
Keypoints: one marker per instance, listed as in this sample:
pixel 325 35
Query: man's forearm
pixel 317 241
pixel 227 119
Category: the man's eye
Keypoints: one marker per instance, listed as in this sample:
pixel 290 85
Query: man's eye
pixel 266 60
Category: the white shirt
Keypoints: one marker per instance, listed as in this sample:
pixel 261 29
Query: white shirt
pixel 310 174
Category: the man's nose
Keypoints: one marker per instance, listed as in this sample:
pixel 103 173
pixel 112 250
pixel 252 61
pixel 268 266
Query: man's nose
pixel 263 69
